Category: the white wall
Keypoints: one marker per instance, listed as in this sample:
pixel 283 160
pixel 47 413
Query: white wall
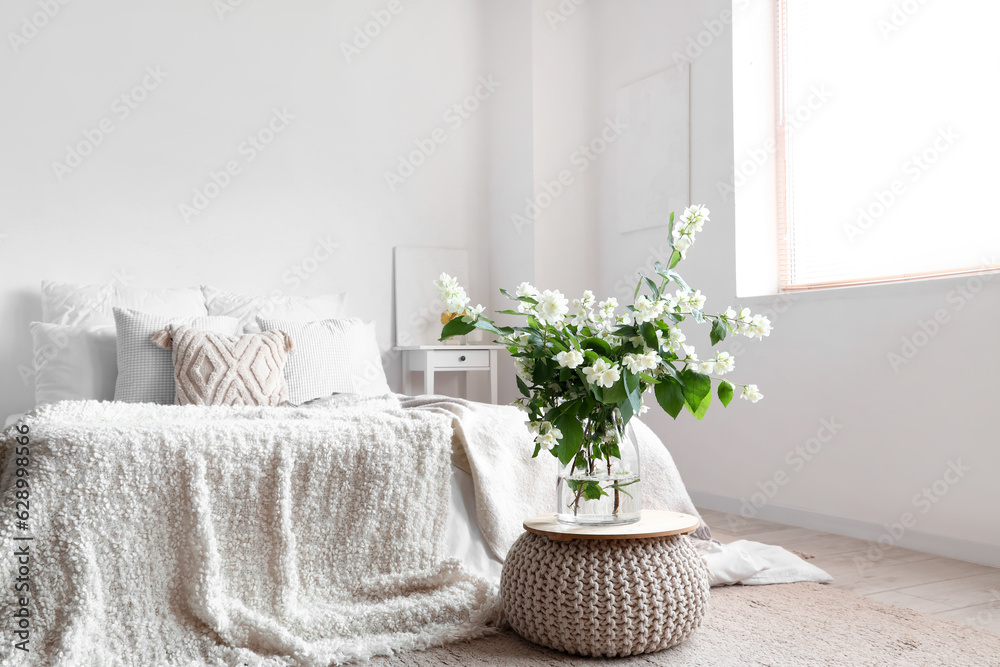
pixel 827 358
pixel 322 176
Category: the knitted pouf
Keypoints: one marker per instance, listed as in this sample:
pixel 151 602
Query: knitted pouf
pixel 604 597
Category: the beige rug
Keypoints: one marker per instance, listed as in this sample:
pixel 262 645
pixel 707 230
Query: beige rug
pixel 792 625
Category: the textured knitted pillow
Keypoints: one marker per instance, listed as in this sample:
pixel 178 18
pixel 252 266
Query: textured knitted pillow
pixel 145 371
pixel 332 357
pixel 216 369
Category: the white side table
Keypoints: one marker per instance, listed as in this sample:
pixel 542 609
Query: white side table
pixel 433 358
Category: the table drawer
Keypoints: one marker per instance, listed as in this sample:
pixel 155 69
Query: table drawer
pixel 461 359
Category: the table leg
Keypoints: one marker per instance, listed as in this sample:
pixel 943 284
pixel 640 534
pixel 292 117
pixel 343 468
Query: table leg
pixel 494 372
pixel 429 375
pixel 407 375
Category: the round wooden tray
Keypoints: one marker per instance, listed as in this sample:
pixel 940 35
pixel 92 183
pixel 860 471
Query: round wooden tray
pixel 654 523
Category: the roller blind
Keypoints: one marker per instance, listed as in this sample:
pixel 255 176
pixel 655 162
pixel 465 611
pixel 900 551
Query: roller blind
pixel 888 140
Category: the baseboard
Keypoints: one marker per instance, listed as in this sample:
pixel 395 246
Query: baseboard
pixel 939 545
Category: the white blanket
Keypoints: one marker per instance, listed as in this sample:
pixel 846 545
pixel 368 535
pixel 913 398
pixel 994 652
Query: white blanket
pixel 240 536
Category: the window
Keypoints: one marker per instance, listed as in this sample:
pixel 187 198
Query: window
pixel 887 140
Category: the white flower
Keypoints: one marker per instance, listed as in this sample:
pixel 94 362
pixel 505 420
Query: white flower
pixel 552 306
pixel 674 338
pixel 607 307
pixel 646 310
pixel 751 393
pixel 523 366
pixel 694 217
pixel 548 436
pixel 690 353
pixel 569 359
pixel 533 427
pixel 526 289
pixel 759 327
pixel 588 298
pixel 724 362
pixel 683 244
pixel 473 314
pixel 445 282
pixel 549 440
pixel 638 363
pixel 602 373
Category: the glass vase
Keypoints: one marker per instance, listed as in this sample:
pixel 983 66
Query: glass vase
pixel 602 486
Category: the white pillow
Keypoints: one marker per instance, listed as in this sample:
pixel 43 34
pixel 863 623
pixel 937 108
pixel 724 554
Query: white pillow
pixel 145 371
pixel 331 357
pixel 273 307
pixel 87 305
pixel 783 567
pixel 74 363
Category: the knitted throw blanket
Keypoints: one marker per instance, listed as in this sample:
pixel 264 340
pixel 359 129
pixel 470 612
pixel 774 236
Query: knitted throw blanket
pixel 184 535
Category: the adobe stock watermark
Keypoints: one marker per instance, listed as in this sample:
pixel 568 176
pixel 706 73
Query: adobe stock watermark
pixel 122 108
pixel 928 329
pixel 32 24
pixel 370 30
pixel 922 502
pixel 224 8
pixel 300 271
pixel 581 158
pixel 454 117
pixel 899 16
pixel 796 459
pixel 247 151
pixel 562 13
pixel 756 158
pixel 698 43
pixel 986 617
pixel 912 170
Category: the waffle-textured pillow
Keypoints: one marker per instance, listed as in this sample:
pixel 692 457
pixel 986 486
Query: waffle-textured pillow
pixel 247 308
pixel 216 369
pixel 145 371
pixel 332 357
pixel 89 305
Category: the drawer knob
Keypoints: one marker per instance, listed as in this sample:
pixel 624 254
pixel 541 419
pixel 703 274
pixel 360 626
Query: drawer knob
pixel 462 358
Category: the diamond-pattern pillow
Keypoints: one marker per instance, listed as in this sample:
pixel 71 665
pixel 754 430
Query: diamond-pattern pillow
pixel 218 369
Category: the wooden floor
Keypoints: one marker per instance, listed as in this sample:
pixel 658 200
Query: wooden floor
pixel 951 589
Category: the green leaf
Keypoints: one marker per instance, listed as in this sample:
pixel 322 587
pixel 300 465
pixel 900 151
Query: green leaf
pixel 486 325
pixel 615 393
pixel 638 284
pixel 725 393
pixel 648 332
pixel 698 315
pixel 597 344
pixel 719 331
pixel 676 277
pixel 593 490
pixel 653 287
pixel 632 387
pixel 675 258
pixel 523 387
pixel 670 396
pixel 697 392
pixel 625 407
pixel 572 437
pixel 456 327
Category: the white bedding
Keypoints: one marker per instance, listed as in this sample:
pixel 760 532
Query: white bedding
pixel 745 561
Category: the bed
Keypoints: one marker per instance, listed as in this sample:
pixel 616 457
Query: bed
pixel 328 521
